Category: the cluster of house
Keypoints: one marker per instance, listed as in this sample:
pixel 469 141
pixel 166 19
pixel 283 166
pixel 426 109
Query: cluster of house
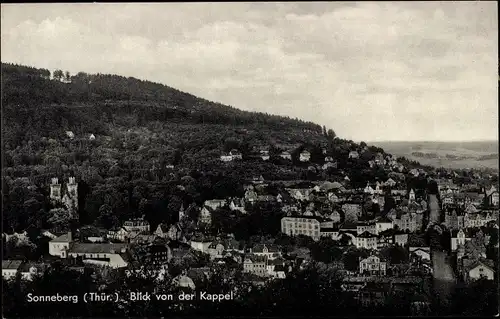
pixel 10 269
pixel 328 209
pixel 329 162
pixel 71 135
pixel 469 245
pixel 349 218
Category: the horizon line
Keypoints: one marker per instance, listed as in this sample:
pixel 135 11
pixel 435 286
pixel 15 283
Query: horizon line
pixel 432 141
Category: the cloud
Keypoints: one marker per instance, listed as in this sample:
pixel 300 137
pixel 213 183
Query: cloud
pixel 371 71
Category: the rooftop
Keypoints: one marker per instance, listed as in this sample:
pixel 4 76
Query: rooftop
pixel 11 264
pixel 87 248
pixel 65 238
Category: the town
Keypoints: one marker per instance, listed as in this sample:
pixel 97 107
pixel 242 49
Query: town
pixel 384 239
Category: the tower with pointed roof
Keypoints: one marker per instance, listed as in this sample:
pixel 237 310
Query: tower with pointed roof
pixel 411 196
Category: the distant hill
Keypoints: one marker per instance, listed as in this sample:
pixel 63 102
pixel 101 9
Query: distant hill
pixel 456 155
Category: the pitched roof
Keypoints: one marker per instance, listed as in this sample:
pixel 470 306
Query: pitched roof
pixel 11 264
pixel 255 258
pixel 62 239
pixel 367 235
pixel 163 227
pixel 270 248
pixel 100 248
pixel 424 249
pixel 470 264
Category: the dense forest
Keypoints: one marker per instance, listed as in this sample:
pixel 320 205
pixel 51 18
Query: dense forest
pixel 155 148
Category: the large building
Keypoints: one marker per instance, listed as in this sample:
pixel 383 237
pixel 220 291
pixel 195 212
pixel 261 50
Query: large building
pixel 110 255
pixel 301 225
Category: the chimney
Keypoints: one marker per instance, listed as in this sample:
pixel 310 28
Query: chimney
pixel 70 236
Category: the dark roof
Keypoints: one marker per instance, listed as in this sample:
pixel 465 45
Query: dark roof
pixel 255 258
pixel 329 229
pixel 260 247
pixel 97 248
pixel 367 235
pixel 62 239
pixel 11 264
pixel 384 219
pixel 279 268
pixel 472 263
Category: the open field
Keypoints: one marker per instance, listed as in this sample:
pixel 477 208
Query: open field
pixel 446 154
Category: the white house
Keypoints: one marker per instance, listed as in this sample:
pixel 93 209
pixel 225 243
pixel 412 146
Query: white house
pixel 353 154
pixel 286 155
pixel 265 155
pixel 477 269
pixel 372 265
pixel 201 244
pixel 215 203
pixel 59 246
pixel 119 233
pixel 305 156
pixel 366 240
pixel 70 134
pixel 226 158
pixel 302 225
pixel 383 224
pixel 235 154
pixel 92 137
pixel 205 216
pixel 411 195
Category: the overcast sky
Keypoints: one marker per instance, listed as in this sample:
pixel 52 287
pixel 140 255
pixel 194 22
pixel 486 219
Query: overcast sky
pixel 371 71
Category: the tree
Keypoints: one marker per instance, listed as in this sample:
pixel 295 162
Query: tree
pixel 331 135
pixel 395 254
pixel 60 218
pixel 67 76
pixel 351 258
pixel 325 251
pixel 58 75
pixel 106 218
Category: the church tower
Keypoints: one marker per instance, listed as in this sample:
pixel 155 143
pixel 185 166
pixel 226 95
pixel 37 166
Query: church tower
pixel 55 190
pixel 181 212
pixel 71 197
pixel 411 196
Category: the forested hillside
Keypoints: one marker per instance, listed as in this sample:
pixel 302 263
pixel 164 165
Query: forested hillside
pixel 141 129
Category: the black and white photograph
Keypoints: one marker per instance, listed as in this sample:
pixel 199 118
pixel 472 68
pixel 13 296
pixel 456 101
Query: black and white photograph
pixel 253 159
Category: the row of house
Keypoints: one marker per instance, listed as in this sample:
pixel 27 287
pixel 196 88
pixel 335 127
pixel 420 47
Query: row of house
pixel 10 269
